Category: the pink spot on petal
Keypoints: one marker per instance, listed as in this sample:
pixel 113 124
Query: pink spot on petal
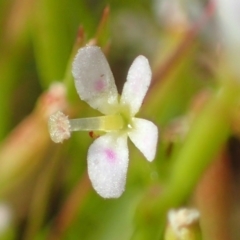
pixel 99 85
pixel 111 155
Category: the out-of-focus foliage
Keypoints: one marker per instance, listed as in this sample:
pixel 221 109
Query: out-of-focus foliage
pixel 193 100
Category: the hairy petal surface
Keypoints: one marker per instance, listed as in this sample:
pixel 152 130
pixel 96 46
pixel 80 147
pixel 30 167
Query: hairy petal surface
pixel 108 163
pixel 137 84
pixel 145 136
pixel 94 79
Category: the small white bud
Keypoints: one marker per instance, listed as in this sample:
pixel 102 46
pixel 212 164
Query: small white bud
pixel 180 220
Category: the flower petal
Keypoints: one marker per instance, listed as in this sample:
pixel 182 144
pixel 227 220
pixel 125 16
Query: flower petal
pixel 137 84
pixel 108 163
pixel 145 136
pixel 94 80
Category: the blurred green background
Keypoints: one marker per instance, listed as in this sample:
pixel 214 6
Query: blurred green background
pixel 45 192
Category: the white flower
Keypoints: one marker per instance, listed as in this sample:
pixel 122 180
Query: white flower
pixel 108 155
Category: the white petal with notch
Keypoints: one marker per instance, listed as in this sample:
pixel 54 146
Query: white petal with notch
pixel 145 136
pixel 94 80
pixel 138 81
pixel 108 163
